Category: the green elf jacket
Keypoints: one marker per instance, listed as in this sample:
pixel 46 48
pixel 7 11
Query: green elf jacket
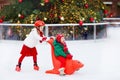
pixel 59 49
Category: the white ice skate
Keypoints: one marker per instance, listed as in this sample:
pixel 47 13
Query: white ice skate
pixel 61 70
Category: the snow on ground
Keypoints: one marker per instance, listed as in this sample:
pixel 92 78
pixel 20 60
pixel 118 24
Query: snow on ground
pixel 100 57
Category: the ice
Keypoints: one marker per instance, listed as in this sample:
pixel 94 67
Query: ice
pixel 100 57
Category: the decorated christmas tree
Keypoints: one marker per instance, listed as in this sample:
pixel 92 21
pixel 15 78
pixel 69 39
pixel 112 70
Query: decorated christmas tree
pixel 54 11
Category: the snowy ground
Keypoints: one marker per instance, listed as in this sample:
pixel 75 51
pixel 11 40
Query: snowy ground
pixel 100 57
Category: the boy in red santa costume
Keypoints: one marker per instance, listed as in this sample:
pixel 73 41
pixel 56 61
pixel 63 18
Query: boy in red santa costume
pixel 29 45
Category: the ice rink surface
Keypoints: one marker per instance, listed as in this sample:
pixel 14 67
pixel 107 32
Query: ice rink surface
pixel 100 57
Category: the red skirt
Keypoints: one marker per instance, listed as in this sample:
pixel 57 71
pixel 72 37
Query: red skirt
pixel 26 51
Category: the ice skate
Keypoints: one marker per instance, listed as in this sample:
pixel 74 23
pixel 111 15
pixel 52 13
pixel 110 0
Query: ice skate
pixel 18 69
pixel 62 73
pixel 36 67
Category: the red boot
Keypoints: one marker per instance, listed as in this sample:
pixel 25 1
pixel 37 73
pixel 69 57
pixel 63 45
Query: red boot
pixel 18 69
pixel 36 67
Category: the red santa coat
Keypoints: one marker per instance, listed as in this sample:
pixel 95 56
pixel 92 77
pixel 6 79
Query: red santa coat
pixel 30 42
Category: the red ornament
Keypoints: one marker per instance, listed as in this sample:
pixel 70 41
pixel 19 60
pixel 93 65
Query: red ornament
pixel 22 16
pixel 20 1
pixel 91 19
pixel 80 22
pixel 105 12
pixel 1 21
pixel 86 5
pixel 111 14
pixel 46 1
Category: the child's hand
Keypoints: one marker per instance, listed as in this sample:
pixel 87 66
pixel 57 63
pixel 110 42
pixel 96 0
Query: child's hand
pixel 65 49
pixel 69 56
pixel 44 38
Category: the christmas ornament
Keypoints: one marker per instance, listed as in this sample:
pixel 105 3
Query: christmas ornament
pixel 62 18
pixel 46 1
pixel 1 20
pixel 105 12
pixel 21 16
pixel 42 4
pixel 111 14
pixel 80 22
pixel 45 18
pixel 31 21
pixel 20 1
pixel 86 5
pixel 91 19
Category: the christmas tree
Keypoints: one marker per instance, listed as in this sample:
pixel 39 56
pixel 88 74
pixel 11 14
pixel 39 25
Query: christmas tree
pixel 54 11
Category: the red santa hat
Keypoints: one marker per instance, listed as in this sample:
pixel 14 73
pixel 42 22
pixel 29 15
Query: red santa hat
pixel 39 23
pixel 58 37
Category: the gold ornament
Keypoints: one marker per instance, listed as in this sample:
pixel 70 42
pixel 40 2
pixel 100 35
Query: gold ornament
pixel 62 18
pixel 45 18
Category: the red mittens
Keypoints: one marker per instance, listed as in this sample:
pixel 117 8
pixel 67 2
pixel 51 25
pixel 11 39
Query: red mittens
pixel 69 56
pixel 43 39
pixel 65 49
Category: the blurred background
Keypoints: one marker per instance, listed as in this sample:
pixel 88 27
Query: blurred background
pixel 83 13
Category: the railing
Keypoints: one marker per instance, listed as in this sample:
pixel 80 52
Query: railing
pixel 111 19
pixel 71 31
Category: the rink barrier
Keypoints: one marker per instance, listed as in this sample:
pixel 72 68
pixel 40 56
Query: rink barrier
pixel 112 19
pixel 84 24
pixel 105 22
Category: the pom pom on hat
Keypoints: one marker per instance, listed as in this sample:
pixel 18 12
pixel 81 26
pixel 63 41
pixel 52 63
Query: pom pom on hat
pixel 39 23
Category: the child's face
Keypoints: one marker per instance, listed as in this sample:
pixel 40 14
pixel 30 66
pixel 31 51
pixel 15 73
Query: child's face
pixel 40 28
pixel 62 40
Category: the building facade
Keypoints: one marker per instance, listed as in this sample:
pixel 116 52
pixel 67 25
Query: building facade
pixel 114 6
pixel 3 3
